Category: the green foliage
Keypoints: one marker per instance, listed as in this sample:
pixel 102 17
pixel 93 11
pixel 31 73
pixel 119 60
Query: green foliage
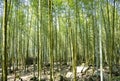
pixel 71 30
pixel 116 78
pixel 86 2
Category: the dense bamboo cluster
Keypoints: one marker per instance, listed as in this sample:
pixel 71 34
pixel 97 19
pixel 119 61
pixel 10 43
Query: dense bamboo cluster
pixel 56 31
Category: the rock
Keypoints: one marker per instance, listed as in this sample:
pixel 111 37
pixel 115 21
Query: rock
pixel 90 79
pixel 29 60
pixel 96 76
pixel 69 68
pixel 60 77
pixel 34 79
pixel 79 69
pixel 69 74
pixel 47 65
pixel 64 63
pixel 82 69
pixel 90 71
pixel 21 79
pixel 10 71
pixel 115 70
pixel 18 79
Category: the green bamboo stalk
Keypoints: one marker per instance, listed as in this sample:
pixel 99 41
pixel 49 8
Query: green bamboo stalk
pixel 4 44
pixel 51 38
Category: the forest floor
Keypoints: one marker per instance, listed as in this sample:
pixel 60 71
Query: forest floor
pixel 84 73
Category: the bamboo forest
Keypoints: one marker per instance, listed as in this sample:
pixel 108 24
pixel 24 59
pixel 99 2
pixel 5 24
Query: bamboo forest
pixel 59 40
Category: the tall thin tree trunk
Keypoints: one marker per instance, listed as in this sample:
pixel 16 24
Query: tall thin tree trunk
pixel 38 47
pixel 100 41
pixel 113 30
pixel 51 38
pixel 4 45
pixel 109 42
